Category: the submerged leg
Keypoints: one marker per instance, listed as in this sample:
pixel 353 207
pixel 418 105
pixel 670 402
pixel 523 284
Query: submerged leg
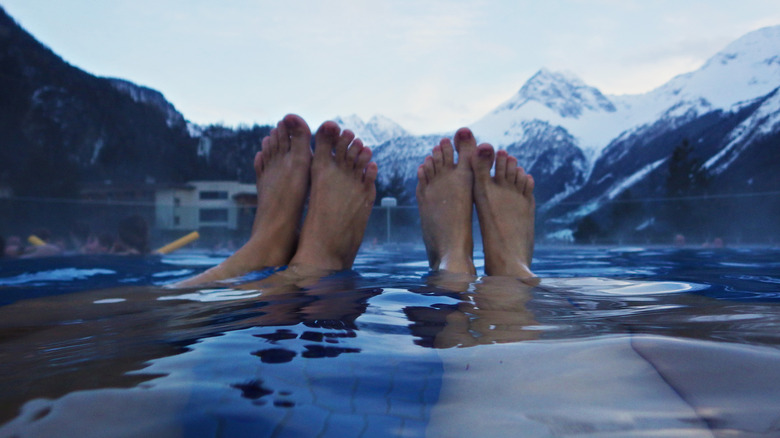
pixel 282 175
pixel 342 196
pixel 444 197
pixel 505 208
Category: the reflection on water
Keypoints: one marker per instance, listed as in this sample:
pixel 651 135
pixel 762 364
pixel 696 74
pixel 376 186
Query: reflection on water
pixel 619 343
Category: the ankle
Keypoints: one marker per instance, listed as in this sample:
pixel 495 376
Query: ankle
pixel 261 252
pixel 459 266
pixel 313 255
pixel 513 267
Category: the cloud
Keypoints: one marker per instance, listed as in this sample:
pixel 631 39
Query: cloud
pixel 434 63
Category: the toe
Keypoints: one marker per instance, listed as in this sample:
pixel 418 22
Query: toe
pixel 258 163
pixel 521 180
pixel 284 137
pixel 448 153
pixel 465 144
pixel 353 153
pixel 362 160
pixel 372 170
pixel 266 144
pixel 529 186
pixel 511 170
pixel 428 167
pixel 273 143
pixel 299 133
pixel 501 158
pixel 421 178
pixel 325 141
pixel 342 147
pixel 482 161
pixel 438 158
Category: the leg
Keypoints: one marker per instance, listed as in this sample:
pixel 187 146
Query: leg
pixel 282 171
pixel 505 207
pixel 444 196
pixel 342 196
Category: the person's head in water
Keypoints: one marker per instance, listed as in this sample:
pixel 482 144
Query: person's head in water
pixel 78 235
pixel 132 236
pixel 99 244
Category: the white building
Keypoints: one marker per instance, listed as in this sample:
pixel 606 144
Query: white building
pixel 199 204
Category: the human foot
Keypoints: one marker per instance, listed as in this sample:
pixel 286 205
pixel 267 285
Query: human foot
pixel 342 196
pixel 444 197
pixel 282 177
pixel 505 208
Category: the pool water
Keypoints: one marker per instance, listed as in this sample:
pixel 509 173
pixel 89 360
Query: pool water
pixel 613 342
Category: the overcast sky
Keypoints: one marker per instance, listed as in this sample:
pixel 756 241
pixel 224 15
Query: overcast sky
pixel 430 65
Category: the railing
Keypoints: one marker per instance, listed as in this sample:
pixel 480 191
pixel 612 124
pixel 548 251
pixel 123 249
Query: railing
pixel 745 218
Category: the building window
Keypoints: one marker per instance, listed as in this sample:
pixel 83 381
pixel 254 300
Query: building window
pixel 213 215
pixel 176 202
pixel 213 194
pixel 176 220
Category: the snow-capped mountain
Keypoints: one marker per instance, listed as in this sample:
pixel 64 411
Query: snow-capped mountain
pixel 377 130
pixel 745 70
pixel 587 149
pixel 560 99
pixel 724 108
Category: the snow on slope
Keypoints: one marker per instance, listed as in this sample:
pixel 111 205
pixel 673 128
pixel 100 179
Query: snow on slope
pixel 612 192
pixel 750 66
pixel 746 70
pixel 764 121
pixel 149 96
pixel 377 130
pixel 561 99
pixel 554 113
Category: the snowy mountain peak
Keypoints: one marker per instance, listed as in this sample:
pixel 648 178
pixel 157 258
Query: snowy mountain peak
pixel 377 130
pixel 563 93
pixel 750 65
pixel 757 47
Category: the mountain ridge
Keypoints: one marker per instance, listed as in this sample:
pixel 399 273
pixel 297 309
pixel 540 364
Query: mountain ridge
pixel 587 149
pixel 621 143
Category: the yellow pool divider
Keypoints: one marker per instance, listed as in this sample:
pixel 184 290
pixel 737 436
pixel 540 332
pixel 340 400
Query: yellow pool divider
pixel 178 243
pixel 35 240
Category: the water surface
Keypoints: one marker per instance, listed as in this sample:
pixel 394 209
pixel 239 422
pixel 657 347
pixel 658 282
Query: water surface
pixel 618 342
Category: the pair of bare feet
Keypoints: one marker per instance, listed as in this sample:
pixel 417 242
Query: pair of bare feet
pixel 446 194
pixel 339 180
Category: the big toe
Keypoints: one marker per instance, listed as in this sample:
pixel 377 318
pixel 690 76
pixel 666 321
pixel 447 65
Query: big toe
pixel 299 132
pixel 325 141
pixel 482 160
pixel 465 144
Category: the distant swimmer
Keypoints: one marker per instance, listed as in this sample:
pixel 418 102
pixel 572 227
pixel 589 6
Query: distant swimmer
pixel 132 236
pixel 43 246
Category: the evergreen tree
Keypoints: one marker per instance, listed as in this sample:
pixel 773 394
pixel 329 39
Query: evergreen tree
pixel 588 230
pixel 686 180
pixel 394 187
